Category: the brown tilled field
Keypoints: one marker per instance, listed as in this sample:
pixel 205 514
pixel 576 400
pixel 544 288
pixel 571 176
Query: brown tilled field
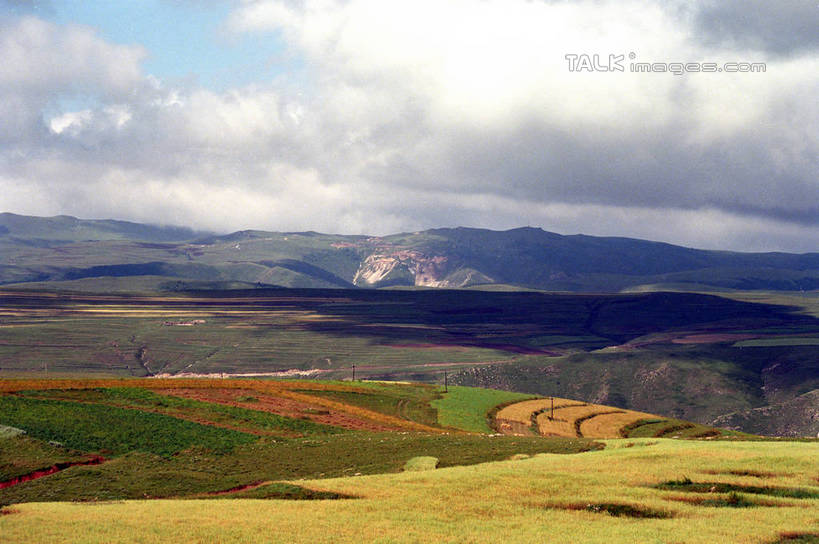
pixel 610 425
pixel 280 406
pixel 576 419
pixel 516 419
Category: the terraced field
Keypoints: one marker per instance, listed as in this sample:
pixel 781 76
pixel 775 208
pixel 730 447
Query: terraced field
pixel 576 419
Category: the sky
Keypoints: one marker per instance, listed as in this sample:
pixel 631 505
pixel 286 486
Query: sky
pixel 690 122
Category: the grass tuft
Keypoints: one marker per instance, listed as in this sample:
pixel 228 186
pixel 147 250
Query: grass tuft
pixel 421 463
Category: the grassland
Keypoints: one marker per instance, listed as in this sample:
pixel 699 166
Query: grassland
pixel 601 496
pixel 325 461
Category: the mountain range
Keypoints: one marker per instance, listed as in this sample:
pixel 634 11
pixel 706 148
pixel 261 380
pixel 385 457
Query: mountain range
pixel 91 252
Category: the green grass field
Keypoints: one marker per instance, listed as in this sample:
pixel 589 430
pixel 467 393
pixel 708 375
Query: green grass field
pixel 468 408
pixel 113 430
pixel 600 496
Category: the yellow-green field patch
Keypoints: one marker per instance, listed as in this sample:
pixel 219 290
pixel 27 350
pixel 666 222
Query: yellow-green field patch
pixel 539 499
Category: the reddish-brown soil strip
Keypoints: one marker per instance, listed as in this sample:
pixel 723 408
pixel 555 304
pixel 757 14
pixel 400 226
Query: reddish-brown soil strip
pixel 50 470
pixel 279 406
pixel 513 428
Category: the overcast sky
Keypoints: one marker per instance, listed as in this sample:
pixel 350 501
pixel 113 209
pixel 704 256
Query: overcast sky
pixel 379 116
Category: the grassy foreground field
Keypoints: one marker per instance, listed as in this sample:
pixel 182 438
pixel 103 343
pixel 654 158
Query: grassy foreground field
pixel 601 496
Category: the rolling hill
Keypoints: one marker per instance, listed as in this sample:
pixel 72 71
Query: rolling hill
pixel 82 253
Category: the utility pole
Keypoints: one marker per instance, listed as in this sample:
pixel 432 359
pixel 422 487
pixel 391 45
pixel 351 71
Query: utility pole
pixel 446 383
pixel 353 372
pixel 552 413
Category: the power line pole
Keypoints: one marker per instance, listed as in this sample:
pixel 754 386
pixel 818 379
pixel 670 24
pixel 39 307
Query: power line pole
pixel 446 383
pixel 353 372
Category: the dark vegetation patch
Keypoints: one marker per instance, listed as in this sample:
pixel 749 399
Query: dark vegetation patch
pixel 731 500
pixel 666 431
pixel 22 455
pixel 8 511
pixel 627 430
pixel 746 472
pixel 797 538
pixel 687 485
pixel 620 510
pixel 41 473
pixel 668 428
pixel 280 491
pixel 113 430
pixel 708 434
pixel 196 470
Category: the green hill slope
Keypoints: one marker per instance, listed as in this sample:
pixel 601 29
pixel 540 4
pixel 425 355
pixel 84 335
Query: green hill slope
pixel 36 249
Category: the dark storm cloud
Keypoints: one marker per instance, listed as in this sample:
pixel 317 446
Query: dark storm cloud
pixel 783 27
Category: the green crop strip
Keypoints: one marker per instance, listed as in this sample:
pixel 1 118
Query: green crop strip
pixel 112 430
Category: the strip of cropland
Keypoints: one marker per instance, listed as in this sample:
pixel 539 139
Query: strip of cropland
pixel 189 437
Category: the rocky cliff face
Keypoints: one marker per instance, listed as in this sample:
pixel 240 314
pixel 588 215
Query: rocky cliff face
pixel 795 417
pixel 402 267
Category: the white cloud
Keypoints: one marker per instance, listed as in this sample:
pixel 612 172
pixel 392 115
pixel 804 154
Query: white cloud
pixel 72 121
pixel 410 115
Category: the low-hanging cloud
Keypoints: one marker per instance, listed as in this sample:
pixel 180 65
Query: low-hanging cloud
pixel 415 115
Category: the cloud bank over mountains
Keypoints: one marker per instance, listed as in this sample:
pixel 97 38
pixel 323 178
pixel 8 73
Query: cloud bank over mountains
pixel 407 115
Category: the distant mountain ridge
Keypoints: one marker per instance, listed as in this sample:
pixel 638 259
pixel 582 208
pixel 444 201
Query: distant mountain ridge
pixel 68 228
pixel 63 248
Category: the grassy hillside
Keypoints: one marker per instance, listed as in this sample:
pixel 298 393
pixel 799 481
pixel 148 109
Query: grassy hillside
pixel 65 249
pixel 64 228
pixel 636 490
